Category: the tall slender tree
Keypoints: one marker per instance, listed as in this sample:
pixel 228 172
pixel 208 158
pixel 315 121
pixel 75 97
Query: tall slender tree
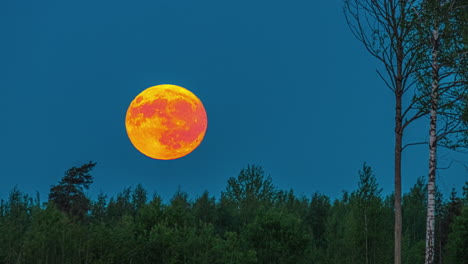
pixel 385 27
pixel 442 89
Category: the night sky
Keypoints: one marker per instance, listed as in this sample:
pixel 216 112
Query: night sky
pixel 285 85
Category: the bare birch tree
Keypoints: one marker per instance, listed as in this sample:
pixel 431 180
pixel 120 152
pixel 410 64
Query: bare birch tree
pixel 385 27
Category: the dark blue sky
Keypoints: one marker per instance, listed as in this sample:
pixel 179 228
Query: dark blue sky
pixel 285 86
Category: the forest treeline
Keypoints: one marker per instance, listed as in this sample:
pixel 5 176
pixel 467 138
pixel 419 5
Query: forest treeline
pixel 252 222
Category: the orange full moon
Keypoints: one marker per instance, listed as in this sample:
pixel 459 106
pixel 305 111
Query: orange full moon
pixel 166 122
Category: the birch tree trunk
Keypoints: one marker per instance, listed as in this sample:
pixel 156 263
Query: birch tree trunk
pixel 430 220
pixel 367 237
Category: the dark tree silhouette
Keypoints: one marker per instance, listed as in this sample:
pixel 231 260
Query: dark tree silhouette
pixel 249 191
pixel 69 195
pixel 386 28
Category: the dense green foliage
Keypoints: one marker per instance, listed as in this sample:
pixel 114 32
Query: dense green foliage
pixel 252 222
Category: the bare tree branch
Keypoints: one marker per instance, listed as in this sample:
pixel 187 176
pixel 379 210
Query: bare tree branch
pixel 414 144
